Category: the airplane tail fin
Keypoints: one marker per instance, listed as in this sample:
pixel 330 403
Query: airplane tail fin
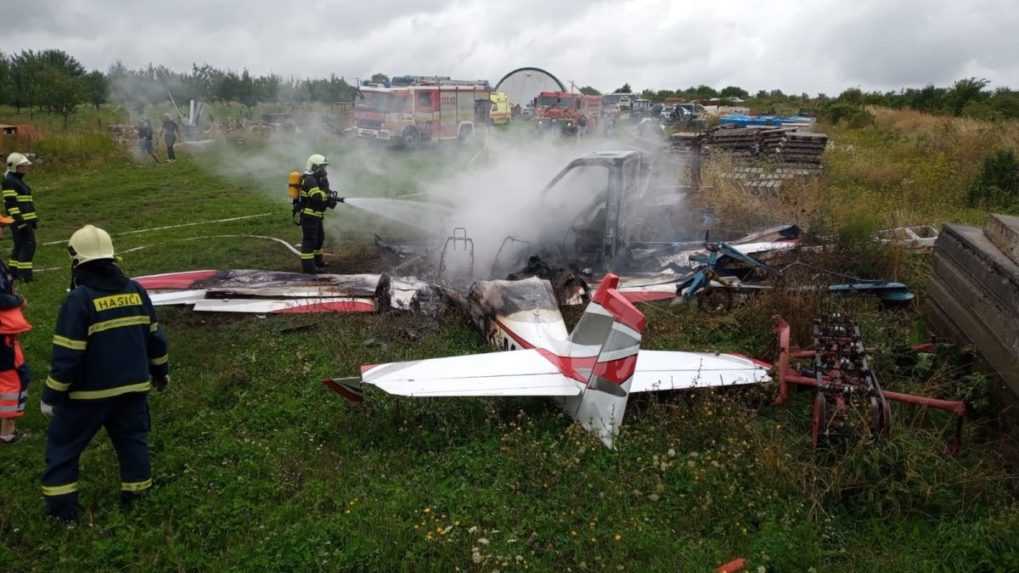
pixel 348 388
pixel 593 328
pixel 620 325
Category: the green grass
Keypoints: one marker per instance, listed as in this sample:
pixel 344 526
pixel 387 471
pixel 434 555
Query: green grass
pixel 258 468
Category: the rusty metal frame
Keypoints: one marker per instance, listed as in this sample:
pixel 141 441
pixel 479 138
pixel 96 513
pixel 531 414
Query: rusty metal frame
pixel 828 382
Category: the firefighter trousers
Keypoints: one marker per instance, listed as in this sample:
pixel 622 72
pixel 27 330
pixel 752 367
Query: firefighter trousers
pixel 74 424
pixel 24 250
pixel 313 236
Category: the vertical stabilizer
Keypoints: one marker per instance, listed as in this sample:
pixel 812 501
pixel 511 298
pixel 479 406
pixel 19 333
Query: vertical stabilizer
pixel 601 406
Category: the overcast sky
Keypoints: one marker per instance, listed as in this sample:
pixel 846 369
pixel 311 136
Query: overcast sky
pixel 794 45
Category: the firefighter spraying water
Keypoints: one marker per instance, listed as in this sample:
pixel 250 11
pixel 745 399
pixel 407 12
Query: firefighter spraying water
pixel 310 197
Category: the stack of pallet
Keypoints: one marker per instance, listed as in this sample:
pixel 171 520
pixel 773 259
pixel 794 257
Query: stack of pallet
pixel 767 157
pixel 974 291
pixel 738 142
pixel 791 146
pixel 774 144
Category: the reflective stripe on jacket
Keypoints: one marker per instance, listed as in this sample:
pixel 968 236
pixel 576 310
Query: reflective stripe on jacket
pixel 106 344
pixel 17 196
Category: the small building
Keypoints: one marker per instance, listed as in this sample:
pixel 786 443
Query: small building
pixel 16 137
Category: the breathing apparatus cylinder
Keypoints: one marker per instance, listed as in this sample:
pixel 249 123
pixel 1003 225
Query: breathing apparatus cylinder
pixel 294 185
pixel 294 192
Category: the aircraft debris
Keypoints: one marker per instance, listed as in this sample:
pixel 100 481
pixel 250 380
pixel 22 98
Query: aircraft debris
pixel 269 292
pixel 456 259
pixel 590 372
pixel 417 296
pixel 569 288
pixel 738 268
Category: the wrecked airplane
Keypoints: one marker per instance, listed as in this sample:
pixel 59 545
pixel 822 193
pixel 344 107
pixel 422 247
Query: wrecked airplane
pixel 589 372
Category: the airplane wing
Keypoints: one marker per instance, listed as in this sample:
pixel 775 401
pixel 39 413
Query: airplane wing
pixel 667 370
pixel 514 373
pixel 286 306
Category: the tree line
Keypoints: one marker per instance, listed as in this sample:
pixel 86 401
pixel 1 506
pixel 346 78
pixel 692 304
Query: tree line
pixel 51 80
pixel 55 81
pixel 968 97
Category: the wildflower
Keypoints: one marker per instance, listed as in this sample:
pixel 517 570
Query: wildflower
pixel 483 541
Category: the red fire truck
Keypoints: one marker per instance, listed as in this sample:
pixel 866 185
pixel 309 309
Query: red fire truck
pixel 569 112
pixel 424 110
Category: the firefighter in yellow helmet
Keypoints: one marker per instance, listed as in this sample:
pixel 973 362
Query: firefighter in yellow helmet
pixel 17 196
pixel 108 352
pixel 315 198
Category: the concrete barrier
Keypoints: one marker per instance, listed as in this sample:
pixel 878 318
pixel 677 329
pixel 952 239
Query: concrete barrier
pixel 1003 232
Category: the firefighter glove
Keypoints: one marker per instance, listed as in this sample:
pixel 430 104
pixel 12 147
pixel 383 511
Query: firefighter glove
pixel 46 409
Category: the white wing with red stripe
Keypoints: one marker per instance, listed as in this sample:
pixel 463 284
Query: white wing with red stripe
pixel 658 371
pixel 516 373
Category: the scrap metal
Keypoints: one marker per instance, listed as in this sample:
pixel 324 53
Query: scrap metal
pixel 838 368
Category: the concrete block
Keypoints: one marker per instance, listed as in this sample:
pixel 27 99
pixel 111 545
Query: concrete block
pixel 1003 232
pixel 1000 322
pixel 951 318
pixel 985 265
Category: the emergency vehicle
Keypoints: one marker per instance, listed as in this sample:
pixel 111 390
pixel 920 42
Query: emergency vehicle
pixel 423 110
pixel 564 110
pixel 501 113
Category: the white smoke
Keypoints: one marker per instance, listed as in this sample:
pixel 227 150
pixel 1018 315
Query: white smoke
pixel 491 187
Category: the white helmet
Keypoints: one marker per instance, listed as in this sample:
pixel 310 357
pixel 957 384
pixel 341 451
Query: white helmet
pixel 314 162
pixel 90 243
pixel 16 159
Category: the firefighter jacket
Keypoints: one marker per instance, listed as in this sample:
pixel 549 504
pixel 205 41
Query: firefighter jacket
pixel 107 340
pixel 315 195
pixel 17 197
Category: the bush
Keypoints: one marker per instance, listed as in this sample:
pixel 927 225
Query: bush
pixel 855 116
pixel 997 185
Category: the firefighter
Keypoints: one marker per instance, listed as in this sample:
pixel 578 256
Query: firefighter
pixel 18 202
pixel 315 198
pixel 108 352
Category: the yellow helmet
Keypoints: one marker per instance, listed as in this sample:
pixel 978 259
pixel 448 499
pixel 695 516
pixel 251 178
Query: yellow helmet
pixel 314 162
pixel 90 243
pixel 15 160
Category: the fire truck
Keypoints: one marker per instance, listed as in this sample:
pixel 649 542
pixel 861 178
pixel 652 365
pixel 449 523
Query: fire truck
pixel 568 112
pixel 413 110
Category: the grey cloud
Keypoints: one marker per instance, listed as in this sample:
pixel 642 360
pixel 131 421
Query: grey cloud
pixel 824 45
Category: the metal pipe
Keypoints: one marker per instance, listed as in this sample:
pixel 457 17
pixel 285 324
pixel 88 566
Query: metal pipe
pixel 956 407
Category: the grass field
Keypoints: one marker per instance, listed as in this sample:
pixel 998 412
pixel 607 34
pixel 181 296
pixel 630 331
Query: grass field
pixel 258 468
